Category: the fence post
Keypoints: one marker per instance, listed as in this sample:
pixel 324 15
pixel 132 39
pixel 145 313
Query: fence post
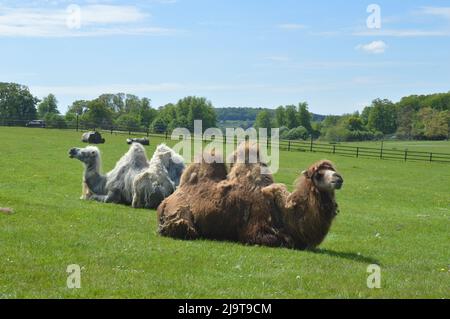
pixel 289 145
pixel 357 152
pixel 381 150
pixel 77 122
pixel 431 157
pixel 334 148
pixel 148 132
pixel 311 146
pixel 406 155
pixel 166 135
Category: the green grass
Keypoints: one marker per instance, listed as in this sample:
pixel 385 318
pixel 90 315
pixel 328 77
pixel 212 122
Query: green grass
pixel 416 146
pixel 393 213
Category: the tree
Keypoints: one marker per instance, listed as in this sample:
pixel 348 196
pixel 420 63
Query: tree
pixel 263 120
pixel 354 123
pixel 280 116
pixel 298 133
pixel 49 105
pixel 147 113
pixel 435 123
pixel 365 115
pixel 405 119
pixel 304 117
pixel 159 125
pixel 16 102
pixel 291 117
pixel 382 116
pixel 128 122
pixel 98 114
pixel 193 108
pixel 78 107
pixel 54 120
pixel 132 104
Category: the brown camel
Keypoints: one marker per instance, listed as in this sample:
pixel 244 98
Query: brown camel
pixel 246 206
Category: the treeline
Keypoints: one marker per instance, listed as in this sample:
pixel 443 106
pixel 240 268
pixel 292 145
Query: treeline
pixel 294 122
pixel 419 117
pixel 249 114
pixel 416 117
pixel 413 117
pixel 134 113
pixel 120 111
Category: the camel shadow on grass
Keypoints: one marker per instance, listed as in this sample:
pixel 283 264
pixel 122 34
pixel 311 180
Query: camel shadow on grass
pixel 347 255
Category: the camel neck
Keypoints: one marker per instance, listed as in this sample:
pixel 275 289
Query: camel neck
pixel 95 181
pixel 311 215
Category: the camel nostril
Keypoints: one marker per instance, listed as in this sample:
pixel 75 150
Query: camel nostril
pixel 72 151
pixel 338 179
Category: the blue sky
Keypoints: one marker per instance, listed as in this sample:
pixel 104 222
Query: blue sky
pixel 236 53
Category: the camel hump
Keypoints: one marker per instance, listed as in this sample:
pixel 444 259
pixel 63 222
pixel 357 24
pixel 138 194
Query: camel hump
pixel 207 166
pixel 137 153
pixel 200 172
pixel 247 153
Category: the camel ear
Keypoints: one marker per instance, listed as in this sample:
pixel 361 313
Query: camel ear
pixel 305 173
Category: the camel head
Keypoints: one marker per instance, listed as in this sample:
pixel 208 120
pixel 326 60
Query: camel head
pixel 324 176
pixel 89 155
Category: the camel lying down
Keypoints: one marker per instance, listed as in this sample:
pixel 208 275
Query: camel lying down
pixel 246 206
pixel 134 180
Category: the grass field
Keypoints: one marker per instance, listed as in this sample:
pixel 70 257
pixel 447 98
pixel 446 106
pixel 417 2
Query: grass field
pixel 394 214
pixel 416 146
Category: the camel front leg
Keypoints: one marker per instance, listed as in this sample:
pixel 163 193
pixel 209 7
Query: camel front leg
pixel 265 235
pixel 178 224
pixel 111 197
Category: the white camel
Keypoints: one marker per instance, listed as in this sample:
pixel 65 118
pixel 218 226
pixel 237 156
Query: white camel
pixel 134 180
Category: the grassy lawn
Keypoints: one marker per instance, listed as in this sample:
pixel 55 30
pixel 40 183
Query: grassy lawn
pixel 416 146
pixel 394 214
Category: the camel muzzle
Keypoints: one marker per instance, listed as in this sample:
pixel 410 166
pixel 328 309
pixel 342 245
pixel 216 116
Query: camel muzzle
pixel 338 182
pixel 73 152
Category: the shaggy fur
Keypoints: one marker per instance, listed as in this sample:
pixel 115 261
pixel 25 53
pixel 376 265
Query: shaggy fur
pixel 134 180
pixel 159 180
pixel 245 206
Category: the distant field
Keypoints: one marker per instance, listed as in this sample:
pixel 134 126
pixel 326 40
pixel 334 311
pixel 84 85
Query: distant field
pixel 392 213
pixel 420 146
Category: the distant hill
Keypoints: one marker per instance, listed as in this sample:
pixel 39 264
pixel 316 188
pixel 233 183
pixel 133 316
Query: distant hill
pixel 246 116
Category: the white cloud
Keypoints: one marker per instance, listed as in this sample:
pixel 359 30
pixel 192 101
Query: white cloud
pixel 291 26
pixel 437 11
pixel 95 20
pixel 375 47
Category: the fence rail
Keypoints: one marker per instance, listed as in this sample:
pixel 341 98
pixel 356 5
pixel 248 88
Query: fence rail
pixel 288 145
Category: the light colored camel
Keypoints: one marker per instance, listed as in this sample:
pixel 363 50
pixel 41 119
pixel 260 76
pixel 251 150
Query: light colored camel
pixel 134 180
